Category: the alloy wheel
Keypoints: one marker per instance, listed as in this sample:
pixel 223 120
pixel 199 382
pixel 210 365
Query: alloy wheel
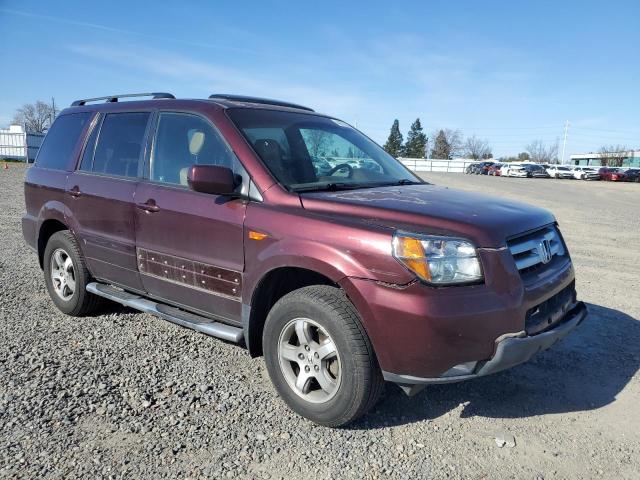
pixel 309 360
pixel 63 277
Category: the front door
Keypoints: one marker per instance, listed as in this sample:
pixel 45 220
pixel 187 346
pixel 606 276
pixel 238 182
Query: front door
pixel 102 191
pixel 189 244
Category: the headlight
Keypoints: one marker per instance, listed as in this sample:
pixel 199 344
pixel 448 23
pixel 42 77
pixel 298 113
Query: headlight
pixel 438 260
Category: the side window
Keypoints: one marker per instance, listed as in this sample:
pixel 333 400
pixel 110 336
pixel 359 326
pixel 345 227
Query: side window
pixel 61 141
pixel 120 144
pixel 183 140
pixel 87 156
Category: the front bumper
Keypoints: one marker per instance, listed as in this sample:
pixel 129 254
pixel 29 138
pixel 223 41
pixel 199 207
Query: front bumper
pixel 511 350
pixel 422 331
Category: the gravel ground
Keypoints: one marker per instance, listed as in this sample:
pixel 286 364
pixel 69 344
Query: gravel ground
pixel 123 394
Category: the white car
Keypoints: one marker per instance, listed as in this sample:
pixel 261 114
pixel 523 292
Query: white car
pixel 559 171
pixel 514 170
pixel 585 173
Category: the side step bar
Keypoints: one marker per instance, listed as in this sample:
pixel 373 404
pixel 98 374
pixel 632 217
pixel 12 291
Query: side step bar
pixel 166 312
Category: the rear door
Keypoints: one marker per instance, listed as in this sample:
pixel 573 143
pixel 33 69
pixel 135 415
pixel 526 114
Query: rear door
pixel 102 190
pixel 189 244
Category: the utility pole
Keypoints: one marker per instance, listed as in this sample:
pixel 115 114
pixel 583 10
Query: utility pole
pixel 564 142
pixel 54 112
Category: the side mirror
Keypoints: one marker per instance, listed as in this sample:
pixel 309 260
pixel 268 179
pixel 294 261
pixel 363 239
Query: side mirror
pixel 211 179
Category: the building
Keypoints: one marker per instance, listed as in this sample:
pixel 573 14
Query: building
pixel 632 159
pixel 16 144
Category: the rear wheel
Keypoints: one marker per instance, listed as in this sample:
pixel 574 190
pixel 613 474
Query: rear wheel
pixel 66 275
pixel 319 357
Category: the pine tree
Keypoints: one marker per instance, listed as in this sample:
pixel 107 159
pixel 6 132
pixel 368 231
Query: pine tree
pixel 416 141
pixel 394 142
pixel 441 148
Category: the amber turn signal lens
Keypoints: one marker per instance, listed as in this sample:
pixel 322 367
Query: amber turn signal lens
pixel 411 253
pixel 253 235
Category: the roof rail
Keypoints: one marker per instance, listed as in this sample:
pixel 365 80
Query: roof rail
pixel 114 98
pixel 263 101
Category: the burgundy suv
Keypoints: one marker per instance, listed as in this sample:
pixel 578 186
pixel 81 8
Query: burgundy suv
pixel 217 215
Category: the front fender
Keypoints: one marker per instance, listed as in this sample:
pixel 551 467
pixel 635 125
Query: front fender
pixel 323 259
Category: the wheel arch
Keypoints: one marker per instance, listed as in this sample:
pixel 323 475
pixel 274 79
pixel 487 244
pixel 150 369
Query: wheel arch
pixel 47 229
pixel 272 286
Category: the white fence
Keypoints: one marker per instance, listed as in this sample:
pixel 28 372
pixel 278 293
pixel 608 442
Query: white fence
pixel 16 144
pixel 457 165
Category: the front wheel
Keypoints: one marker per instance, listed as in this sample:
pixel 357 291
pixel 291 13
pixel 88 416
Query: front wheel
pixel 66 275
pixel 319 357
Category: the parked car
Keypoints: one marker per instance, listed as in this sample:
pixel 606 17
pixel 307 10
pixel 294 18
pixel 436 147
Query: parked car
pixel 610 174
pixel 535 170
pixel 495 169
pixel 632 175
pixel 210 214
pixel 320 165
pixel 516 170
pixel 585 173
pixel 470 168
pixel 483 168
pixel 559 171
pixel 504 169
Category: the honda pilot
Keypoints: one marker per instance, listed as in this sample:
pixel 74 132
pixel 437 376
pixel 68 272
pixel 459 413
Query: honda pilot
pixel 266 224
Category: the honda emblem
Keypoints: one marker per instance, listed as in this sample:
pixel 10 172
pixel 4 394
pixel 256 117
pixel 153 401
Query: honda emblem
pixel 544 251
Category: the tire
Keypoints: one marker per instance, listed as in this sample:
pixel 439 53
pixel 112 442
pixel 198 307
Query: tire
pixel 351 376
pixel 64 261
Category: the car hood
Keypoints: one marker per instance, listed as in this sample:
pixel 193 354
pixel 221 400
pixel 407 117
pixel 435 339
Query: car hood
pixel 427 208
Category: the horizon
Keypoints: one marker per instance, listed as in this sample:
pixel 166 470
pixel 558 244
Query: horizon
pixel 473 68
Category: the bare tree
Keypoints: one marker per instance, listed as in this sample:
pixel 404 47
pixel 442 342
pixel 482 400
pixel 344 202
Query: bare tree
pixel 318 141
pixel 613 155
pixel 36 117
pixel 477 148
pixel 450 138
pixel 456 142
pixel 539 152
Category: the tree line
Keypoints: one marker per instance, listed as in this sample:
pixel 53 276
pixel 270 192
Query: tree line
pixel 449 143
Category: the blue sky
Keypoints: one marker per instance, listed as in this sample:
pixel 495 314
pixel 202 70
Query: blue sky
pixel 508 71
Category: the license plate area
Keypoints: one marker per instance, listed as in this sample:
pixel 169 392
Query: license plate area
pixel 551 311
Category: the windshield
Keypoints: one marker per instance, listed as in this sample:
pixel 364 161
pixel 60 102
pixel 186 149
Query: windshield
pixel 307 152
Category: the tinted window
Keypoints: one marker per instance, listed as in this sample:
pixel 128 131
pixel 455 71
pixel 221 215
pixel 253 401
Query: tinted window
pixel 120 144
pixel 61 141
pixel 87 155
pixel 183 140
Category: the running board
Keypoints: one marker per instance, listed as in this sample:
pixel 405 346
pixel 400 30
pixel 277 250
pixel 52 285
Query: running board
pixel 166 312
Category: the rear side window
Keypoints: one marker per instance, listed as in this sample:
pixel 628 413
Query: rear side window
pixel 120 144
pixel 61 141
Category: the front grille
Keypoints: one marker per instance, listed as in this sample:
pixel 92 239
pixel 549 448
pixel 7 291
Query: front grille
pixel 536 249
pixel 549 312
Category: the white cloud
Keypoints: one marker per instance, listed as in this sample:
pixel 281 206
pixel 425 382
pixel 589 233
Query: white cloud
pixel 209 77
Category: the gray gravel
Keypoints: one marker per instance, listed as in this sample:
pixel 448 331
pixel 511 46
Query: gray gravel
pixel 123 394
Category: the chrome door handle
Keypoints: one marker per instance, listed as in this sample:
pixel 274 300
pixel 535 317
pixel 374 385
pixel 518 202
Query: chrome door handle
pixel 149 206
pixel 75 191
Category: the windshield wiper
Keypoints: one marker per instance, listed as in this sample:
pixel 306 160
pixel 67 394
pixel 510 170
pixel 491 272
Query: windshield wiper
pixel 330 187
pixel 333 187
pixel 406 181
